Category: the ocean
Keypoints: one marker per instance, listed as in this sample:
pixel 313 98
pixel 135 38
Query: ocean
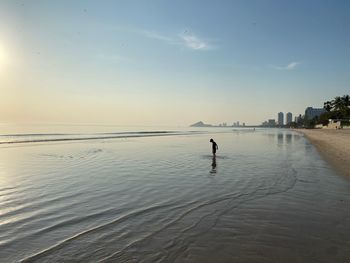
pixel 156 194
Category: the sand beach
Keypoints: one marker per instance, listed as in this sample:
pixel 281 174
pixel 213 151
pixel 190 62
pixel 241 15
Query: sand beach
pixel 333 145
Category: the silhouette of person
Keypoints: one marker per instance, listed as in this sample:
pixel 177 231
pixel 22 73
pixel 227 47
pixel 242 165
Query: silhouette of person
pixel 214 146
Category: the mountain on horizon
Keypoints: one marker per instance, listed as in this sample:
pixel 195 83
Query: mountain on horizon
pixel 200 124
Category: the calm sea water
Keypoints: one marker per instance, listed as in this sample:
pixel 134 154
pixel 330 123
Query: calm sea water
pixel 267 197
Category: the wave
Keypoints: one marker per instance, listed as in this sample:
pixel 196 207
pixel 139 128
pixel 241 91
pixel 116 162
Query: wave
pixel 65 134
pixel 34 134
pixel 61 137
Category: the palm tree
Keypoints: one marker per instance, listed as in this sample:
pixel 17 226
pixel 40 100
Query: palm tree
pixel 338 103
pixel 346 101
pixel 328 106
pixel 339 108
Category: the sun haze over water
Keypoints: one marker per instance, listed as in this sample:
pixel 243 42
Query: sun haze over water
pixel 169 62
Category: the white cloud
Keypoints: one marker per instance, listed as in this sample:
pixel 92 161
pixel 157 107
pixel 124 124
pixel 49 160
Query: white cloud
pixel 290 66
pixel 193 42
pixel 185 39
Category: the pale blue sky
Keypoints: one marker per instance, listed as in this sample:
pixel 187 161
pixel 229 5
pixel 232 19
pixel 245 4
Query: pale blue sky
pixel 170 62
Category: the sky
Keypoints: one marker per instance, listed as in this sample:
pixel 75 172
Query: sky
pixel 170 62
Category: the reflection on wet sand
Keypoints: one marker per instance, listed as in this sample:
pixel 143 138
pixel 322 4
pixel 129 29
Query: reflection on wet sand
pixel 288 138
pixel 283 137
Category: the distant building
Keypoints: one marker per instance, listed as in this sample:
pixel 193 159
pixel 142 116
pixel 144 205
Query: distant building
pixel 271 122
pixel 297 119
pixel 311 113
pixel 236 124
pixel 280 118
pixel 289 118
pixel 243 124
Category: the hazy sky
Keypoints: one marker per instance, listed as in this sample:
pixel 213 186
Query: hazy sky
pixel 170 62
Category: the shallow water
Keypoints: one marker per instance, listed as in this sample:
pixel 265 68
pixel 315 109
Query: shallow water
pixel 267 197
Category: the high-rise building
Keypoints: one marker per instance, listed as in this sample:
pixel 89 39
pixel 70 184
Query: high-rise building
pixel 311 113
pixel 298 119
pixel 280 118
pixel 271 122
pixel 289 118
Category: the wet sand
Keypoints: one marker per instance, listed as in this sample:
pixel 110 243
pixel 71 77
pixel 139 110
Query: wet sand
pixel 333 145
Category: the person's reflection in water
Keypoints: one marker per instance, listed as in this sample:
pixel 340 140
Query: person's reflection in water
pixel 213 165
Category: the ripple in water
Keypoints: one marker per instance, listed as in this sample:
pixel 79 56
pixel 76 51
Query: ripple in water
pixel 267 196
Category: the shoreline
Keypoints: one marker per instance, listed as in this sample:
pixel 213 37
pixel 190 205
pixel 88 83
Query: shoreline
pixel 333 145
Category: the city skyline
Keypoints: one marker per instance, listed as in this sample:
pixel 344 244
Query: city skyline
pixel 169 63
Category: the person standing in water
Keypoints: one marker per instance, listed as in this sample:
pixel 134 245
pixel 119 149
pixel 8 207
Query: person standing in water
pixel 214 147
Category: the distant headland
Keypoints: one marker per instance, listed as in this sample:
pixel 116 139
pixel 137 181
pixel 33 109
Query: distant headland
pixel 200 124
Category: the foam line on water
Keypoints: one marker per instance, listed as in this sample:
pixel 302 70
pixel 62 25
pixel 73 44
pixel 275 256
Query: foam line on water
pixel 104 137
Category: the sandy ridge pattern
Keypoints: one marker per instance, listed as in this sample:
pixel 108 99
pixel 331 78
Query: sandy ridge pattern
pixel 333 145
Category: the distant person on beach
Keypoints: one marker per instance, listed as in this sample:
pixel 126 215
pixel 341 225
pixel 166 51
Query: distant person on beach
pixel 214 146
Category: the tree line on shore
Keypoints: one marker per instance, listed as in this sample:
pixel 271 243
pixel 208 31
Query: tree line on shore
pixel 336 109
